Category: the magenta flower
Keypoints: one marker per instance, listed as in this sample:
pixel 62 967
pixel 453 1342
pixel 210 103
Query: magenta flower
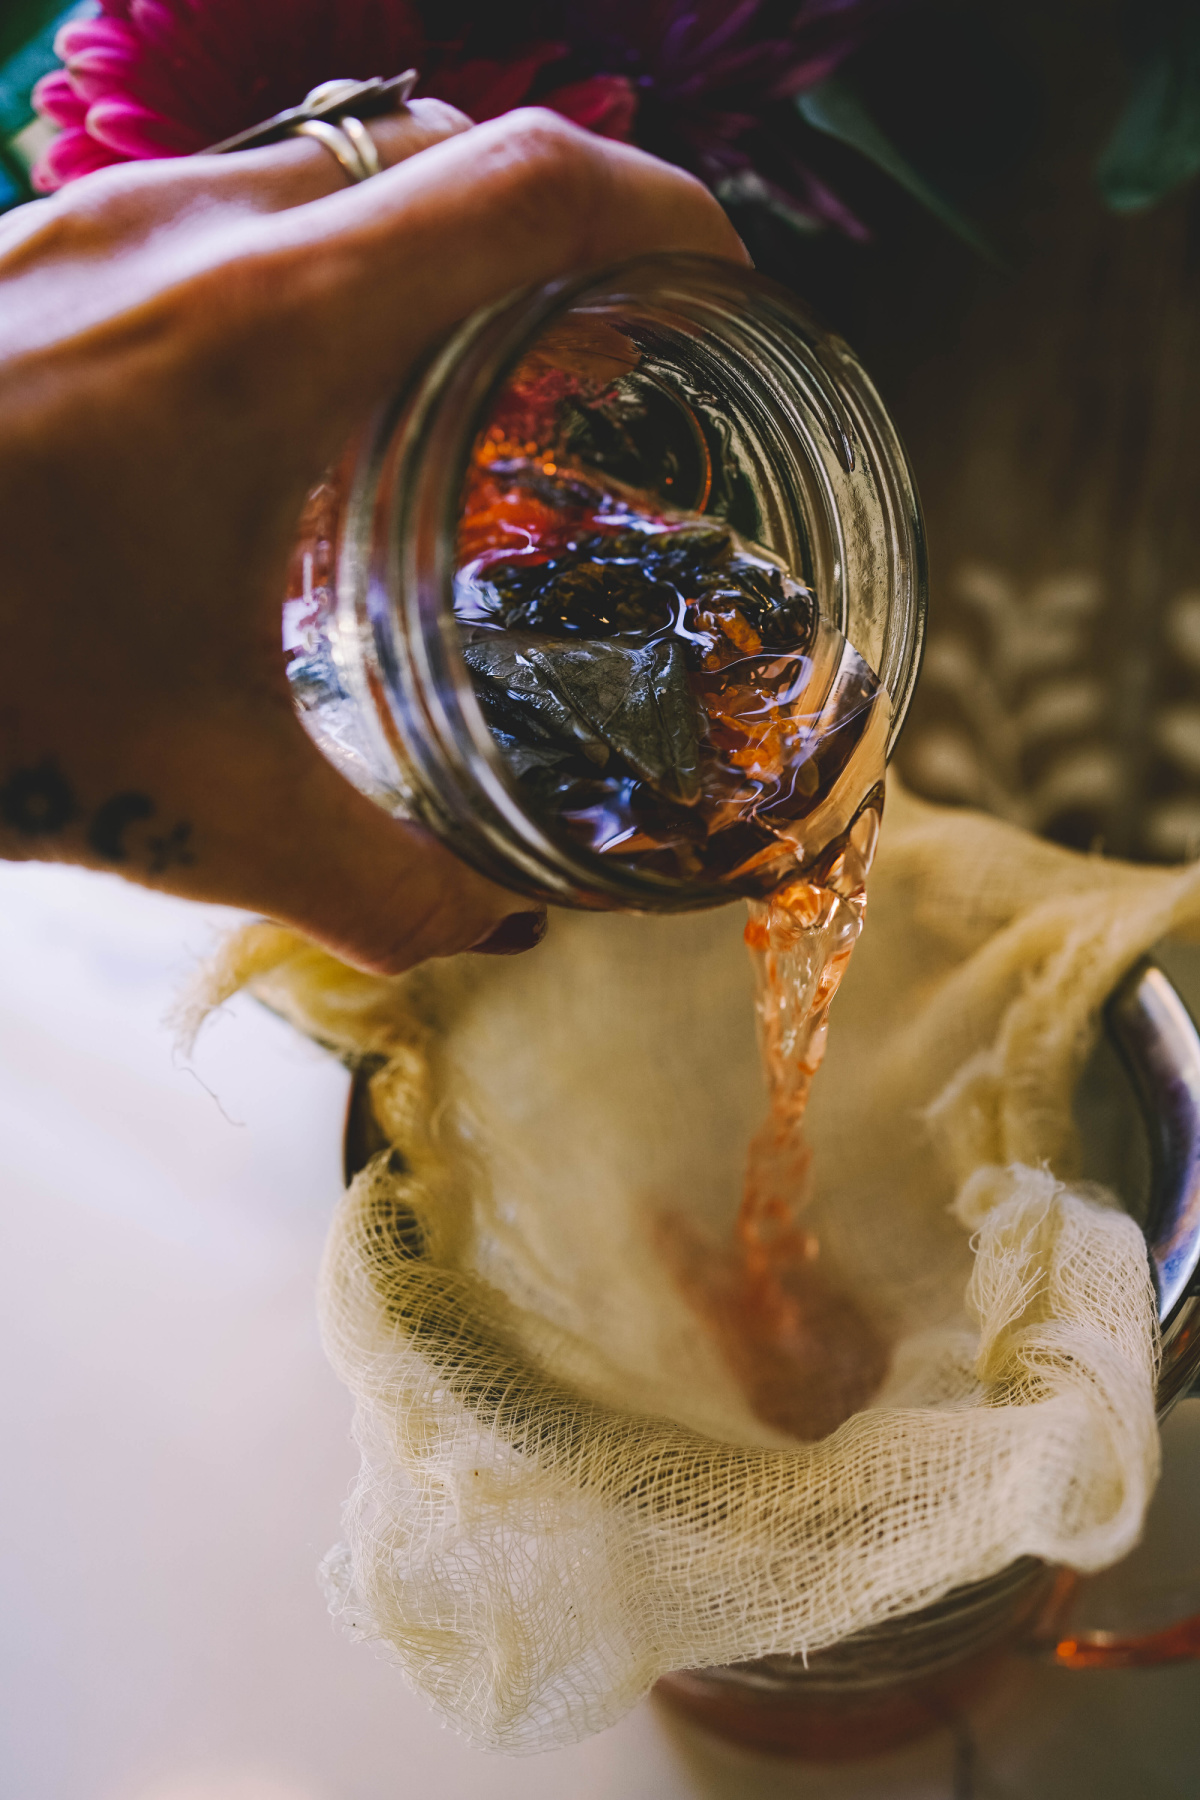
pixel 715 83
pixel 148 78
pixel 706 84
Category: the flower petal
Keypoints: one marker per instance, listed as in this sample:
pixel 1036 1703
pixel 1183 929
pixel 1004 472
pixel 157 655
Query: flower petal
pixel 484 89
pixel 100 69
pixel 134 131
pixel 821 201
pixel 158 23
pixel 805 75
pixel 71 155
pixel 606 105
pixel 79 35
pixel 55 98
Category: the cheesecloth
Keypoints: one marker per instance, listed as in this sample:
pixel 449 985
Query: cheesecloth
pixel 565 1488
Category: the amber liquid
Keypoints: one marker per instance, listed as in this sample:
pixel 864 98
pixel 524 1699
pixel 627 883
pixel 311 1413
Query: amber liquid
pixel 805 1353
pixel 769 720
pixel 785 804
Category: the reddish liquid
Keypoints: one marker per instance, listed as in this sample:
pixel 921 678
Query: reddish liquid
pixel 788 719
pixel 784 804
pixel 805 1353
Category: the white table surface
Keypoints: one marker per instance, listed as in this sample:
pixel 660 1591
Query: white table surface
pixel 175 1451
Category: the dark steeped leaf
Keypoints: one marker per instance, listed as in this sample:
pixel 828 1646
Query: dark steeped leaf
pixel 549 776
pixel 648 675
pixel 598 598
pixel 596 697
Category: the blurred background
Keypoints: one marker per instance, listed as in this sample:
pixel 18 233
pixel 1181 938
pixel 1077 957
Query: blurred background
pixel 175 1451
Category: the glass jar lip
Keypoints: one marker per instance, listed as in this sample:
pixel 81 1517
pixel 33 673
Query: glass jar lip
pixel 693 276
pixel 459 386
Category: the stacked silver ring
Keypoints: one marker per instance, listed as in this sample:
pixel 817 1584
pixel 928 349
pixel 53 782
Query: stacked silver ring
pixel 347 139
pixel 325 115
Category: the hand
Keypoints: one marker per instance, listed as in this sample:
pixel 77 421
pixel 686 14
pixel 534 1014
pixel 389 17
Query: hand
pixel 185 346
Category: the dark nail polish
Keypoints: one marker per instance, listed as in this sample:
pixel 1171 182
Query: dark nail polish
pixel 520 931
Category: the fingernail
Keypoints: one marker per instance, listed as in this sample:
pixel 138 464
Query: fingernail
pixel 520 931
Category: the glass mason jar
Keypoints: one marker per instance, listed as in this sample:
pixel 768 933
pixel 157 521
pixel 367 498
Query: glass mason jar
pixel 697 383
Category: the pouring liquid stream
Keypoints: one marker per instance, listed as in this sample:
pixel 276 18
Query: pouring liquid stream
pixel 665 694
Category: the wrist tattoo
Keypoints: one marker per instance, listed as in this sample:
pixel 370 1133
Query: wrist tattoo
pixel 172 848
pixel 40 802
pixel 109 823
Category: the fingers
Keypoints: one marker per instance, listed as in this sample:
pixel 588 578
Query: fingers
pixel 381 894
pixel 119 207
pixel 509 204
pixel 377 273
pixel 119 224
pixel 269 336
pixel 298 170
pixel 267 824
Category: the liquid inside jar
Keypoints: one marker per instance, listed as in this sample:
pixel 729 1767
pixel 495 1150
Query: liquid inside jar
pixel 662 692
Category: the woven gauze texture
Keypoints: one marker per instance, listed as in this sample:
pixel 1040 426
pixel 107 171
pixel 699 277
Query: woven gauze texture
pixel 564 1492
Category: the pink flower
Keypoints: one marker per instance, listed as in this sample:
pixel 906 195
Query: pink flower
pixel 709 84
pixel 148 78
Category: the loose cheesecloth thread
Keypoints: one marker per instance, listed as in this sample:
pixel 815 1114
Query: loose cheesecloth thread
pixel 564 1491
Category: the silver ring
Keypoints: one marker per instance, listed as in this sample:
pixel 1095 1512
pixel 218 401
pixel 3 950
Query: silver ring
pixel 363 142
pixel 324 114
pixel 349 141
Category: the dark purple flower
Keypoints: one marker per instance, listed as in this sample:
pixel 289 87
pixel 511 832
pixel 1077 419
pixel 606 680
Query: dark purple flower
pixel 705 84
pixel 715 85
pixel 147 78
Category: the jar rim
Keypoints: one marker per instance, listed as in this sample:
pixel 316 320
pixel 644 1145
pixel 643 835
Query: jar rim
pixel 418 459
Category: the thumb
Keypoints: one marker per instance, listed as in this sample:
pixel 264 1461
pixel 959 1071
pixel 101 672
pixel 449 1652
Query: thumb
pixel 286 835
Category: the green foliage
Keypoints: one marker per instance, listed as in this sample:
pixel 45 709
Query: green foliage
pixel 1156 144
pixel 25 62
pixel 23 20
pixel 834 108
pixel 14 182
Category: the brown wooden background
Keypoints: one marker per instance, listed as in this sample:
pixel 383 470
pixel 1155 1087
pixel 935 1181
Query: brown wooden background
pixel 1052 409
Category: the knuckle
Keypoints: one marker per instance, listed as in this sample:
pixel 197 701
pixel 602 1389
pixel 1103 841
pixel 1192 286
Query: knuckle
pixel 548 169
pixel 85 219
pixel 438 116
pixel 542 141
